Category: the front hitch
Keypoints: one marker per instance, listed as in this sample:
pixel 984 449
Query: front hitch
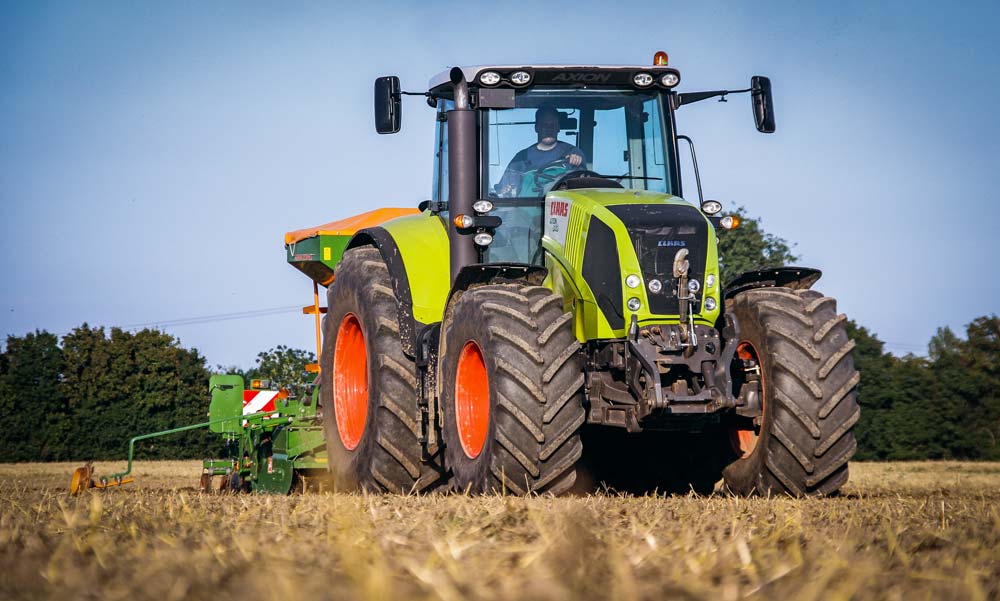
pixel 662 370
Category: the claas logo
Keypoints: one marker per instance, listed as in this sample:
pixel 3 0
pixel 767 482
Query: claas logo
pixel 559 208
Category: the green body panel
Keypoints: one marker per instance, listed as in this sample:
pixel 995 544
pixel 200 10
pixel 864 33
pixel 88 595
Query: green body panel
pixel 565 262
pixel 422 240
pixel 227 402
pixel 274 476
pixel 423 244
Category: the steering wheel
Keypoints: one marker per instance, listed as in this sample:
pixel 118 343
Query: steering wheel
pixel 543 177
pixel 571 172
pixel 573 175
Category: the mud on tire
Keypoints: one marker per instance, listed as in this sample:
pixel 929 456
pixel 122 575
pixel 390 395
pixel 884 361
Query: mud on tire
pixel 810 408
pixel 524 434
pixel 380 448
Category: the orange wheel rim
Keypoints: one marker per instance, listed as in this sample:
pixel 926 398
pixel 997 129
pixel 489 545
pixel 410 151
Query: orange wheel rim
pixel 472 400
pixel 745 439
pixel 350 382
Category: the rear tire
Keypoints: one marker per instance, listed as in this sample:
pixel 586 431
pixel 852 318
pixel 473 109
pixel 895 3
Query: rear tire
pixel 511 380
pixel 368 386
pixel 806 435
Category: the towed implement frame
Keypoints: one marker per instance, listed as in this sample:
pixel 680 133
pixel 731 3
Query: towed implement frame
pixel 273 442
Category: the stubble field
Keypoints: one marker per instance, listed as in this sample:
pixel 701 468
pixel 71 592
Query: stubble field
pixel 899 531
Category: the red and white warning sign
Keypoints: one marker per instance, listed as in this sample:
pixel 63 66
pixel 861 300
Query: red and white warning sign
pixel 257 401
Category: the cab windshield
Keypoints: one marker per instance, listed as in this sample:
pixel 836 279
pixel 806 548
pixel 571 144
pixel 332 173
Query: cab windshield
pixel 551 134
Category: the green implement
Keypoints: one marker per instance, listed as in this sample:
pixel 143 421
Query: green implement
pixel 270 450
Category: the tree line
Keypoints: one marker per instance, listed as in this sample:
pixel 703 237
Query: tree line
pixel 83 396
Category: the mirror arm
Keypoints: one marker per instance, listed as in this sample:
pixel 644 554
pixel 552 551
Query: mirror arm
pixel 692 97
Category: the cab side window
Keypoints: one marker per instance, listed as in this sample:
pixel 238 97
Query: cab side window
pixel 440 180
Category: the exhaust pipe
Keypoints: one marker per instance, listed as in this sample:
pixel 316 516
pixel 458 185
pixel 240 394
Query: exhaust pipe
pixel 463 173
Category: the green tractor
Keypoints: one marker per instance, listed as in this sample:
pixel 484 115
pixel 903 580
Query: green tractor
pixel 553 317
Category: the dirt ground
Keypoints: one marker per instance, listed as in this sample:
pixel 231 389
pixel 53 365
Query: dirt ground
pixel 900 531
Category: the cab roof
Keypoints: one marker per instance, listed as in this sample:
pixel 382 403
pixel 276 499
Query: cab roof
pixel 556 74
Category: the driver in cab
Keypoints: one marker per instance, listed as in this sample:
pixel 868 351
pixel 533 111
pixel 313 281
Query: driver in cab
pixel 547 151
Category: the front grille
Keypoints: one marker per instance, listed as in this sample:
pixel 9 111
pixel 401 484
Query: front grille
pixel 657 233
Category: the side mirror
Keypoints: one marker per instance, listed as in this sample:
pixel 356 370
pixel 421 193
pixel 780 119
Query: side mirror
pixel 387 105
pixel 763 103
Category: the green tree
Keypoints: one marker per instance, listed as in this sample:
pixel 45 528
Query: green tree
pixel 968 373
pixel 749 247
pixel 943 406
pixel 36 421
pixel 875 366
pixel 123 384
pixel 285 367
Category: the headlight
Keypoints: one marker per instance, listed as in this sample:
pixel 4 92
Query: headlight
pixel 643 80
pixel 632 281
pixel 655 286
pixel 730 222
pixel 669 80
pixel 483 238
pixel 693 285
pixel 489 78
pixel 710 281
pixel 482 206
pixel 710 304
pixel 520 78
pixel 634 304
pixel 711 207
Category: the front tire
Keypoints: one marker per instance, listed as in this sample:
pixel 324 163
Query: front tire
pixel 511 380
pixel 368 386
pixel 803 442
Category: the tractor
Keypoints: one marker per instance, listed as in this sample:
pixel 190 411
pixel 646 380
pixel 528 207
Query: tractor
pixel 553 317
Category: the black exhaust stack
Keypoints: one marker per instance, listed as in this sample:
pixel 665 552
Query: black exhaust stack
pixel 462 173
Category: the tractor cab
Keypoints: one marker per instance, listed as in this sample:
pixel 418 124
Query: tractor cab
pixel 549 128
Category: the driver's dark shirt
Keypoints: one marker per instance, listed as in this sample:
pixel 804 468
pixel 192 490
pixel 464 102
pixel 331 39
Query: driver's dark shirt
pixel 531 158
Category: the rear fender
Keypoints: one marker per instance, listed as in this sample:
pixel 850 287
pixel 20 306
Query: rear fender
pixel 415 249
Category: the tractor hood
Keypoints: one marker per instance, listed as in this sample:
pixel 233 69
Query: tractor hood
pixel 603 236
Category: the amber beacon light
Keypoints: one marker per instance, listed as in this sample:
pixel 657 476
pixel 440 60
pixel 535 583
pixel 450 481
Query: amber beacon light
pixel 660 59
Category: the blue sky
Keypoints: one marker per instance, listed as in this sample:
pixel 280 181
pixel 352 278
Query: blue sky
pixel 152 156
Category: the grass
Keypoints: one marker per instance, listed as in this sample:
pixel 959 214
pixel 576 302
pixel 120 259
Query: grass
pixel 900 531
